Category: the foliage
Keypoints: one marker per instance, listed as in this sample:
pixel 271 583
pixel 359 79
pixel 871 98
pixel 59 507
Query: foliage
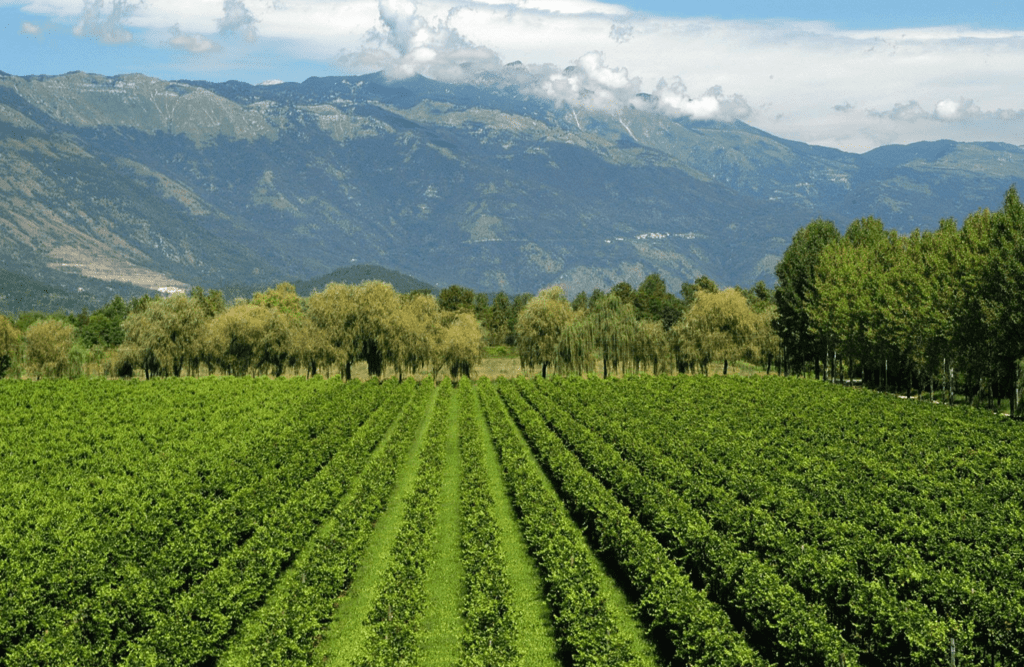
pixel 10 346
pixel 48 345
pixel 463 346
pixel 719 326
pixel 165 337
pixel 539 328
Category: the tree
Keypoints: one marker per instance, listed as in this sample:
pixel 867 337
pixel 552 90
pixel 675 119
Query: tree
pixel 652 348
pixel 10 345
pixel 689 292
pixel 654 302
pixel 310 348
pixel 281 298
pixel 377 306
pixel 103 328
pixel 48 346
pixel 165 337
pixel 249 338
pixel 576 346
pixel 456 298
pixel 796 273
pixel 999 294
pixel 334 312
pixel 720 325
pixel 212 302
pixel 624 291
pixel 499 320
pixel 539 328
pixel 418 334
pixel 613 327
pixel 463 346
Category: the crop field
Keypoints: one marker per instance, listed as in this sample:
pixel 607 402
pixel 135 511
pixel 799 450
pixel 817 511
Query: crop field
pixel 636 521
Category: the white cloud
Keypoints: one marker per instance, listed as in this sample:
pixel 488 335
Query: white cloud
pixel 405 43
pixel 238 19
pixel 192 42
pixel 801 80
pixel 107 27
pixel 30 28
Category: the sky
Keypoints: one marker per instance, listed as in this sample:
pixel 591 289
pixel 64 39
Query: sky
pixel 853 76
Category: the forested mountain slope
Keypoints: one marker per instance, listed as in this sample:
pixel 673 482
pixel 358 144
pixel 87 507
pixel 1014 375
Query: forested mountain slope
pixel 127 183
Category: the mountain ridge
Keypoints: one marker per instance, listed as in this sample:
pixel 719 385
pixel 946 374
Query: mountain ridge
pixel 135 180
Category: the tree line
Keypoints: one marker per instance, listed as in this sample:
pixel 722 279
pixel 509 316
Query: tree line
pixel 273 331
pixel 623 330
pixel 938 310
pixel 934 310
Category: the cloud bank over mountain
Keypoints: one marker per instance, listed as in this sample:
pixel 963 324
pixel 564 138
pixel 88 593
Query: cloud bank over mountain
pixel 811 81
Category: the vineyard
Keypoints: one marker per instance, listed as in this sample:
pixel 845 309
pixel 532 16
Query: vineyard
pixel 639 521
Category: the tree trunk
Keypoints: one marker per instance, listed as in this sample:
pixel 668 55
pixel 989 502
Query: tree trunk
pixel 725 368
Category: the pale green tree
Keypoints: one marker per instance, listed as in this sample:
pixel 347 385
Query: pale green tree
pixel 378 305
pixel 613 327
pixel 463 345
pixel 719 326
pixel 10 345
pixel 335 314
pixel 165 337
pixel 311 348
pixel 539 328
pixel 48 346
pixel 418 334
pixel 652 347
pixel 576 346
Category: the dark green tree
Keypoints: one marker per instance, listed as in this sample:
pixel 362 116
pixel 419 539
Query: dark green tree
pixel 796 273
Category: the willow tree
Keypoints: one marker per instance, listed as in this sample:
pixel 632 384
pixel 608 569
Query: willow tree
pixel 335 314
pixel 311 348
pixel 48 346
pixel 766 347
pixel 614 327
pixel 652 350
pixel 463 345
pixel 539 328
pixel 576 346
pixel 417 334
pixel 719 326
pixel 10 345
pixel 165 336
pixel 249 338
pixel 377 306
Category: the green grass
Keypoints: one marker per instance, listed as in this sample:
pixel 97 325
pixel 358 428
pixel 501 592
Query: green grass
pixel 501 352
pixel 442 620
pixel 536 630
pixel 347 634
pixel 623 613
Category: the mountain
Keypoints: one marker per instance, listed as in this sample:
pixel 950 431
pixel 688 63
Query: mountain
pixel 133 183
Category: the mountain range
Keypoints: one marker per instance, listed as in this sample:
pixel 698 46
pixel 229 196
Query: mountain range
pixel 129 183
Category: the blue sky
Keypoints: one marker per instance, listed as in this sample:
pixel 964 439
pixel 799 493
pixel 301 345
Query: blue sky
pixel 852 75
pixel 863 15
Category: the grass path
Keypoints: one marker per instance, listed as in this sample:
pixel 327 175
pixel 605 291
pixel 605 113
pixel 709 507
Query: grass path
pixel 442 618
pixel 536 631
pixel 347 634
pixel 624 615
